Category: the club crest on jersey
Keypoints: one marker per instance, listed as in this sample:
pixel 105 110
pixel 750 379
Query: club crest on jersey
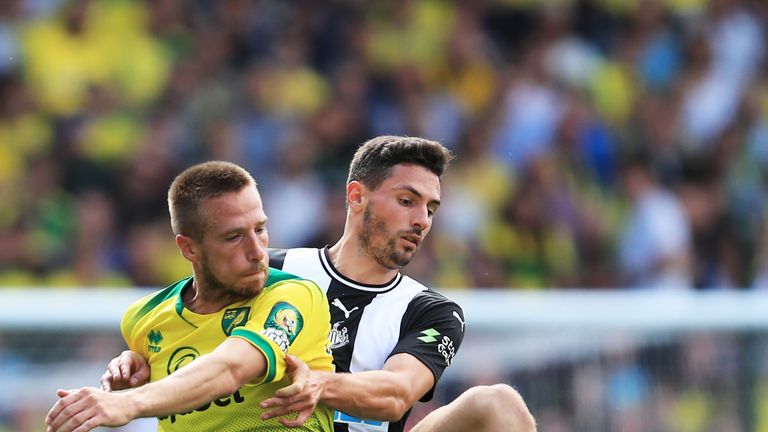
pixel 233 318
pixel 338 338
pixel 283 325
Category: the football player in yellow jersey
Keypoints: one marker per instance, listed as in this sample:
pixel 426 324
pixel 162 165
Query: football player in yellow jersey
pixel 216 342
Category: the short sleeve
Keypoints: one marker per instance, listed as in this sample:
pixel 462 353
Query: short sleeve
pixel 276 323
pixel 145 305
pixel 432 331
pixel 128 326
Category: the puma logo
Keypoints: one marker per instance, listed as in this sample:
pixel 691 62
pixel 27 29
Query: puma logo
pixel 337 302
pixel 458 317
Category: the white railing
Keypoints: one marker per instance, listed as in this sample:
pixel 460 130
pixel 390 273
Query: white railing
pixel 486 310
pixel 506 331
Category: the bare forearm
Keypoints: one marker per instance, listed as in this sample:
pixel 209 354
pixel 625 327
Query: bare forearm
pixel 374 395
pixel 205 379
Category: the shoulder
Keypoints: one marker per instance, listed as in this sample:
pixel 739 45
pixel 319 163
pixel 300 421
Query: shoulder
pixel 433 305
pixel 279 278
pixel 150 301
pixel 281 282
pixel 300 298
pixel 427 304
pixel 425 296
pixel 145 305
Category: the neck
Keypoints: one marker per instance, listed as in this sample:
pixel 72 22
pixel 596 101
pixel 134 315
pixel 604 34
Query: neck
pixel 350 260
pixel 200 300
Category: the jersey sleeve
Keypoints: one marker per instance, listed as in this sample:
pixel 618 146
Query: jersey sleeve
pixel 143 306
pixel 276 323
pixel 432 331
pixel 128 326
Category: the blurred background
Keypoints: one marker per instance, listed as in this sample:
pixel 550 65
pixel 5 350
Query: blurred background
pixel 602 147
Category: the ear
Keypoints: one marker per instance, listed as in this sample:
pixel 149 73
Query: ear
pixel 188 248
pixel 357 196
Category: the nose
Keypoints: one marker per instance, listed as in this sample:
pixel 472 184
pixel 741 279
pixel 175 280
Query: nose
pixel 257 249
pixel 421 219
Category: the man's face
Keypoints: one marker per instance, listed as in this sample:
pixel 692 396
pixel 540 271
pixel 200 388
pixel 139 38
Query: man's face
pixel 233 250
pixel 399 214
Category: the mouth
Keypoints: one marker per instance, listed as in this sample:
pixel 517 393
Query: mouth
pixel 255 273
pixel 412 239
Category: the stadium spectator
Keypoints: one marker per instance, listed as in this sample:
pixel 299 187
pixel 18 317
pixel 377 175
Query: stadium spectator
pixel 654 249
pixel 208 81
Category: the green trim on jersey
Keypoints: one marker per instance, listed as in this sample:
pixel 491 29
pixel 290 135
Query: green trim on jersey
pixel 263 345
pixel 163 295
pixel 156 314
pixel 276 276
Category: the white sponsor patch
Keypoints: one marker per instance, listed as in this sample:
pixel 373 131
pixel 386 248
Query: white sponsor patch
pixel 277 336
pixel 446 349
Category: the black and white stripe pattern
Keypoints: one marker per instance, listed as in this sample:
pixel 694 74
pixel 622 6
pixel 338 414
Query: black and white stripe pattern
pixel 370 323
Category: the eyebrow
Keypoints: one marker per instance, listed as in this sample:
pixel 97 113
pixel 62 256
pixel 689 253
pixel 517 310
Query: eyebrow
pixel 233 230
pixel 412 190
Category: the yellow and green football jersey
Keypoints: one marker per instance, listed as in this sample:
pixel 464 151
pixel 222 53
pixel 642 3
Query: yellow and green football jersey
pixel 291 316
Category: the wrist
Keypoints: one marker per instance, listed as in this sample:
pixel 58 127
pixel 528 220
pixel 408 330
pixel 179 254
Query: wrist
pixel 134 404
pixel 328 381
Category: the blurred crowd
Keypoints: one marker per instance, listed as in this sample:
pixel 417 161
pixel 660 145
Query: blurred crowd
pixel 599 143
pixel 700 382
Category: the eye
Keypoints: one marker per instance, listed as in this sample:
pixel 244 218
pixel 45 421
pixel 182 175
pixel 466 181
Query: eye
pixel 406 201
pixel 233 237
pixel 260 230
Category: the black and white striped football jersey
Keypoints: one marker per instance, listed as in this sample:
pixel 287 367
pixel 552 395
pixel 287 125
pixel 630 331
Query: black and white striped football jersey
pixel 370 323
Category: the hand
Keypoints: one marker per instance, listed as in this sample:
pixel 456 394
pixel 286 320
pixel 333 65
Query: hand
pixel 300 397
pixel 84 409
pixel 128 370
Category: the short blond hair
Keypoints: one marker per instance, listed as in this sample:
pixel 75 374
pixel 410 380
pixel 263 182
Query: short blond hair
pixel 197 183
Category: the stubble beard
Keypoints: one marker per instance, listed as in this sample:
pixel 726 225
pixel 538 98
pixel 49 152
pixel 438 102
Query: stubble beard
pixel 219 289
pixel 386 255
